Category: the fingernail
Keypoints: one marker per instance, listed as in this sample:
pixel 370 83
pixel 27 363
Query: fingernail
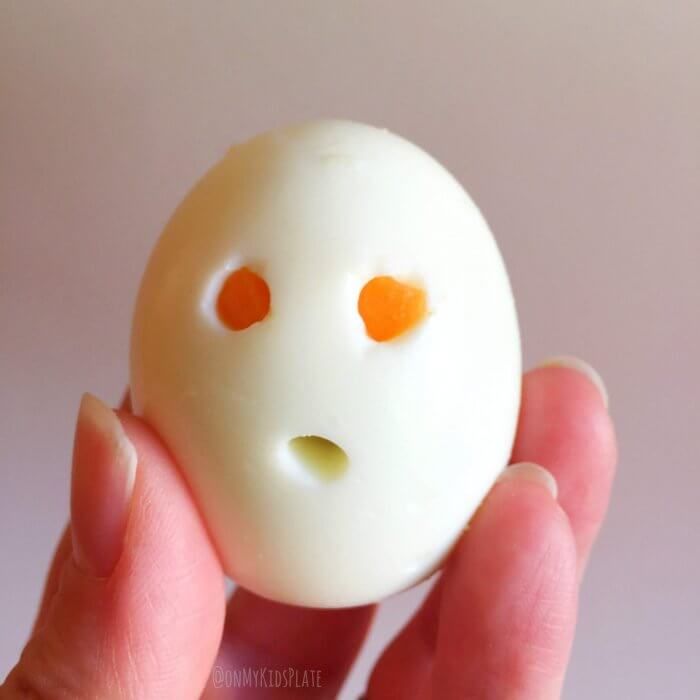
pixel 580 366
pixel 104 468
pixel 528 471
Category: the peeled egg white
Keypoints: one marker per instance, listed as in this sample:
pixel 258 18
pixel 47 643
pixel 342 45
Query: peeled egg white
pixel 423 423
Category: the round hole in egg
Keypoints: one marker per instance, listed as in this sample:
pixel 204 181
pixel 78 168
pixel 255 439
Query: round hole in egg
pixel 320 457
pixel 390 307
pixel 244 299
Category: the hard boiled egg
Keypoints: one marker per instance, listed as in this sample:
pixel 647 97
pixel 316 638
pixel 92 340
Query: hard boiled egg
pixel 326 339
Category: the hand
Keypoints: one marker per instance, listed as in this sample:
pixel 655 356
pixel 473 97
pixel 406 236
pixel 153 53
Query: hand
pixel 134 604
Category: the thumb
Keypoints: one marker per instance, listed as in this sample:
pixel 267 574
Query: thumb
pixel 139 605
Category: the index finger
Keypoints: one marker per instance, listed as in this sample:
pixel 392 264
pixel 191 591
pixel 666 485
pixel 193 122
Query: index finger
pixel 565 427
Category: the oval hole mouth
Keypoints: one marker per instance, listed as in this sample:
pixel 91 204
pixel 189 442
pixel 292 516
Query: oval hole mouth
pixel 321 457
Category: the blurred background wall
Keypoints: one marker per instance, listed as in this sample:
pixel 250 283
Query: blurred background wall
pixel 575 126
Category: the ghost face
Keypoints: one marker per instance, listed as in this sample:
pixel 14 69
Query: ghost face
pixel 326 340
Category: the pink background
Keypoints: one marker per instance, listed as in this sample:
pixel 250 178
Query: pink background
pixel 575 126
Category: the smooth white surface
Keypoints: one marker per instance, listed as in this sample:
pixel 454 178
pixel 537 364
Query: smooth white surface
pixel 426 420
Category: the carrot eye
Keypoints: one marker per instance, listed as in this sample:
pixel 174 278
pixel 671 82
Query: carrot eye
pixel 389 307
pixel 244 299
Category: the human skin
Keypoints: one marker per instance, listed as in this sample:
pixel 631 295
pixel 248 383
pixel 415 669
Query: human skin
pixel 134 603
